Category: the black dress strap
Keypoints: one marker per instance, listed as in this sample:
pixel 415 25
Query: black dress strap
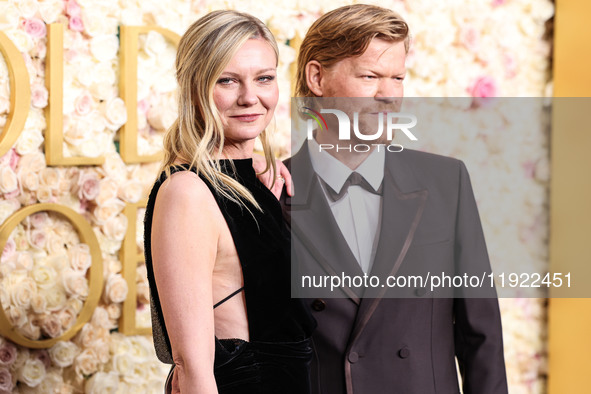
pixel 228 297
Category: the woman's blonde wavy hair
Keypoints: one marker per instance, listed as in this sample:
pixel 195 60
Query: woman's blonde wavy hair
pixel 197 135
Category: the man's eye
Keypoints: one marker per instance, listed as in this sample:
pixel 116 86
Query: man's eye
pixel 368 77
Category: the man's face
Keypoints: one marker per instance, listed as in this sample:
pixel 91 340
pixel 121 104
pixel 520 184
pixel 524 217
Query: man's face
pixel 378 72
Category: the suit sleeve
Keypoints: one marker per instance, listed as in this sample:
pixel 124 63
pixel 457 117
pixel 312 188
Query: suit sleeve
pixel 477 327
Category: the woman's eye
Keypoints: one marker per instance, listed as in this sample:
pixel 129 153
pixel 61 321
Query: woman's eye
pixel 225 81
pixel 266 78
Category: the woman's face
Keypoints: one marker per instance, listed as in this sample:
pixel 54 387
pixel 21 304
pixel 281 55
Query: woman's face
pixel 246 93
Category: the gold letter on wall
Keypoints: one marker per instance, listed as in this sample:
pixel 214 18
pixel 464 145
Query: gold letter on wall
pixel 128 89
pixel 20 94
pixel 54 81
pixel 88 237
pixel 130 258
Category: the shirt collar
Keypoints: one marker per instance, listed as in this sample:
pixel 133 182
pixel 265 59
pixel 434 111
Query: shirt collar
pixel 335 173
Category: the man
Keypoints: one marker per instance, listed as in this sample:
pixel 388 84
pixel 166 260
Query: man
pixel 404 208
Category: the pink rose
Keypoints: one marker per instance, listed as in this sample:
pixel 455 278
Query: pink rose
pixel 72 8
pixel 39 96
pixel 483 89
pixel 10 159
pixel 470 38
pixel 496 3
pixel 9 250
pixel 88 185
pixel 5 381
pixel 43 356
pixel 83 104
pixel 8 353
pixel 76 23
pixel 35 28
pixel 510 64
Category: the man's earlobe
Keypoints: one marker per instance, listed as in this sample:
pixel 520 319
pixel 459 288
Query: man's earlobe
pixel 314 77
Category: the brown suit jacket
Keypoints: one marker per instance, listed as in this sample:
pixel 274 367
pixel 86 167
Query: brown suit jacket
pixel 375 342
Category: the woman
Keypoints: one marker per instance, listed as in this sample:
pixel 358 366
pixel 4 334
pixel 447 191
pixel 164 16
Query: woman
pixel 217 250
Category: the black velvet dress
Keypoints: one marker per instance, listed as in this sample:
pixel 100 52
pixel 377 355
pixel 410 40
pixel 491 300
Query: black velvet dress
pixel 277 357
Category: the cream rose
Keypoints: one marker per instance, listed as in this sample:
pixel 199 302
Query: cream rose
pixel 51 325
pixel 116 228
pixel 50 177
pixel 115 113
pixel 80 258
pixel 22 41
pixel 130 191
pixel 29 141
pixel 52 383
pixel 44 194
pixel 67 317
pixel 29 179
pixel 102 383
pixel 31 330
pixel 37 238
pixel 107 190
pixel 122 364
pixel 75 284
pixel 9 16
pixel 28 8
pixel 25 260
pixel 108 210
pixel 86 363
pixel 34 161
pixel 114 311
pixel 116 289
pixel 100 318
pixel 63 353
pixel 17 316
pixel 32 372
pixel 8 180
pixel 38 303
pixel 143 292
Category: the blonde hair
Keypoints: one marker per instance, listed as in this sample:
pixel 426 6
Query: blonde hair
pixel 346 32
pixel 197 135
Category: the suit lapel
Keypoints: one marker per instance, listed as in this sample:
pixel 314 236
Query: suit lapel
pixel 312 221
pixel 402 208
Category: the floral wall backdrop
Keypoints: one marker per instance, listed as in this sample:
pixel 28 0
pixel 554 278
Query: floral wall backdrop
pixel 461 48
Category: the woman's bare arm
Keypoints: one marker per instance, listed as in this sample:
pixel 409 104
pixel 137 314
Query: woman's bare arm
pixel 185 234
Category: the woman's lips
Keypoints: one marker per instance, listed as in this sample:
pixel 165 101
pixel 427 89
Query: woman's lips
pixel 246 117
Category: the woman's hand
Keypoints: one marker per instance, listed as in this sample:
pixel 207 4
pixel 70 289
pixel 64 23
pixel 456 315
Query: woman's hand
pixel 266 178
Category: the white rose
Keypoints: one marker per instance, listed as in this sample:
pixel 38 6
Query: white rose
pixel 22 41
pixel 28 8
pixel 102 383
pixel 107 190
pixel 8 180
pixel 100 318
pixel 96 24
pixel 103 74
pixel 7 208
pixel 75 283
pixel 25 260
pixel 116 228
pixel 9 16
pixel 55 297
pixel 115 113
pixel 153 43
pixel 104 48
pixel 22 293
pixel 32 372
pixel 114 311
pixel 80 258
pixel 29 141
pixel 31 330
pixel 54 244
pixel 52 383
pixel 97 144
pixel 63 353
pixel 44 276
pixel 50 10
pixel 143 292
pixel 122 364
pixel 86 363
pixel 116 289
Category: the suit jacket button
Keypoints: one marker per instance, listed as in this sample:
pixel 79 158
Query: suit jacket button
pixel 318 305
pixel 404 352
pixel 421 291
pixel 353 357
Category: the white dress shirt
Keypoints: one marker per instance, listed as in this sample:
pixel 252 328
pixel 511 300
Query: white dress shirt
pixel 357 213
